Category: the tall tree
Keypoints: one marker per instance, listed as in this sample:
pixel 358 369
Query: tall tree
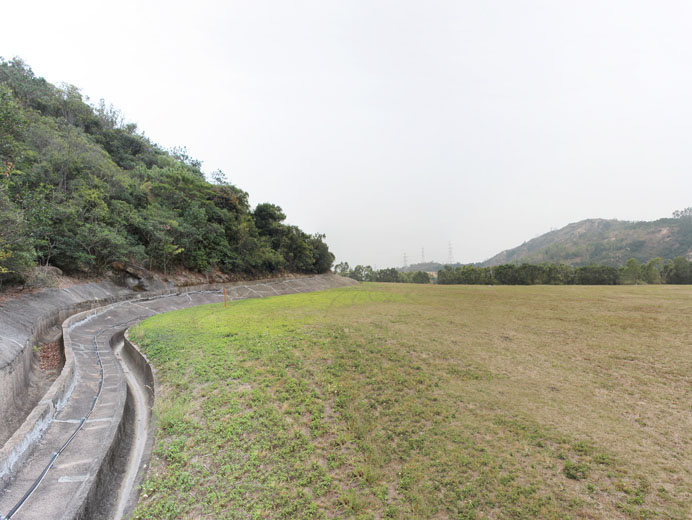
pixel 631 272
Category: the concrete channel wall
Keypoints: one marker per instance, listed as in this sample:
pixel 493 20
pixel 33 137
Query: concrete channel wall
pixel 24 320
pixel 146 373
pixel 21 324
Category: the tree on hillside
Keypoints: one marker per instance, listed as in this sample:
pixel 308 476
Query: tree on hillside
pixel 683 213
pixel 295 249
pixel 12 124
pixel 322 257
pixel 84 189
pixel 17 255
pixel 268 219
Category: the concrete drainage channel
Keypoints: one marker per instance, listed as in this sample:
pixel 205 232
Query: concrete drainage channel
pixel 86 457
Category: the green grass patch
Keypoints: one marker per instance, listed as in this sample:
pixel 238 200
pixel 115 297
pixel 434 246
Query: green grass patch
pixel 400 401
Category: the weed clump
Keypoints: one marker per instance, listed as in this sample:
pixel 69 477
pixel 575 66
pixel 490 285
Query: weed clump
pixel 575 471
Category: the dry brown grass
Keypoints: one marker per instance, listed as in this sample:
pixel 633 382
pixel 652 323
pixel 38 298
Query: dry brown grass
pixel 441 402
pixel 609 366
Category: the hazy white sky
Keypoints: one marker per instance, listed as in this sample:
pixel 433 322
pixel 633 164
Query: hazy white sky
pixel 392 125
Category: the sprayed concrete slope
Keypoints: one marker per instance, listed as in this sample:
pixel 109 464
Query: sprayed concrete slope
pixel 97 474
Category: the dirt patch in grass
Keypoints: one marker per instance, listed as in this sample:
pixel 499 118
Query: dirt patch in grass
pixel 398 401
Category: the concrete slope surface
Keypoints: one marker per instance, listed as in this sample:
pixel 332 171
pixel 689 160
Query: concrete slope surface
pixel 89 461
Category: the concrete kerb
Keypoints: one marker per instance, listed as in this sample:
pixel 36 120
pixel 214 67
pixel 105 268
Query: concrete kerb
pixel 147 374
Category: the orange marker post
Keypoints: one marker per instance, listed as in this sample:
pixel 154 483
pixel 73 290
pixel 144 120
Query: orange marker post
pixel 224 296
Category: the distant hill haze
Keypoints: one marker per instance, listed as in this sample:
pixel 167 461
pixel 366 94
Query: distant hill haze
pixel 605 242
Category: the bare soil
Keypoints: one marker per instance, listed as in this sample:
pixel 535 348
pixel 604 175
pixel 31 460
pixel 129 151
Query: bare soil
pixel 49 356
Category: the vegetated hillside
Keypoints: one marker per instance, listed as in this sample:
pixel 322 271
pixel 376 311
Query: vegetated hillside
pixel 605 242
pixel 79 189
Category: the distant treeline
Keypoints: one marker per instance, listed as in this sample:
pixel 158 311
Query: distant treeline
pixel 655 271
pixel 365 273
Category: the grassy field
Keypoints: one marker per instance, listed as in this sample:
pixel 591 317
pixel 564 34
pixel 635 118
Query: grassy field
pixel 403 401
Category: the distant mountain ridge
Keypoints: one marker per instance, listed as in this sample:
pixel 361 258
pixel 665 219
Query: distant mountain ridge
pixel 605 242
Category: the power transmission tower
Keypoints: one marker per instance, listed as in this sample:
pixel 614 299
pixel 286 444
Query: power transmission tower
pixel 405 261
pixel 422 255
pixel 450 257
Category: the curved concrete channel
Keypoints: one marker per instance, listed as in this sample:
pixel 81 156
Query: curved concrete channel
pixel 91 453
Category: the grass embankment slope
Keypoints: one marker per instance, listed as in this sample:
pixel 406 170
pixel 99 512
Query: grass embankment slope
pixel 401 401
